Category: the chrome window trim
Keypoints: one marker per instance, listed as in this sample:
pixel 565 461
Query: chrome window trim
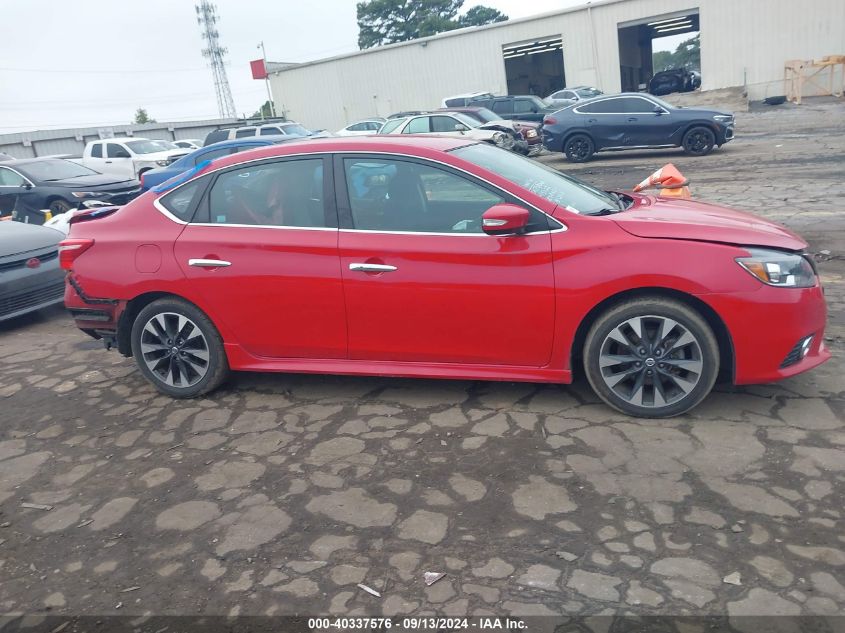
pixel 561 226
pixel 616 98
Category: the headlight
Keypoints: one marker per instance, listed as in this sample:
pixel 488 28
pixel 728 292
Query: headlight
pixel 532 133
pixel 498 138
pixel 776 268
pixel 87 194
pixel 724 118
pixel 162 163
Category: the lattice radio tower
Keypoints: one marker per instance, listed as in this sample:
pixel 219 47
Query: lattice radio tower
pixel 215 53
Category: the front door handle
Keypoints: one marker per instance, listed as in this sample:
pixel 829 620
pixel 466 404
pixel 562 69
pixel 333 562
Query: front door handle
pixel 632 119
pixel 371 268
pixel 208 263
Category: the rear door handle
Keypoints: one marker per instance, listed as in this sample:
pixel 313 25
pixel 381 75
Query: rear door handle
pixel 371 268
pixel 208 263
pixel 632 119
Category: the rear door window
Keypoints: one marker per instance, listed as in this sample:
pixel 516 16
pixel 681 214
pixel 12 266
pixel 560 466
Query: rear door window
pixel 248 131
pixel 605 106
pixel 97 150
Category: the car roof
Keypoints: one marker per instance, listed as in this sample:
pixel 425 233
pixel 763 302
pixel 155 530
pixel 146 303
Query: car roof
pixel 37 159
pixel 389 144
pixel 123 139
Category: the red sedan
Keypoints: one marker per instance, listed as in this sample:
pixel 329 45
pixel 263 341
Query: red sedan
pixel 441 258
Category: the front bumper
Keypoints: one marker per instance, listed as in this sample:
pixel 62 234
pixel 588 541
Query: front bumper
pixel 27 290
pixel 765 326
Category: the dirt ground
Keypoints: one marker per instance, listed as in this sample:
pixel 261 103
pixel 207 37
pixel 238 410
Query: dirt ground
pixel 278 494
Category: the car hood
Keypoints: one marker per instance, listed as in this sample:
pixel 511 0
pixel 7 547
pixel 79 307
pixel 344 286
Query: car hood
pixel 654 217
pixel 92 180
pixel 17 237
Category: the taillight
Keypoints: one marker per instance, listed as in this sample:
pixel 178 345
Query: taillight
pixel 70 249
pixel 549 120
pixel 142 180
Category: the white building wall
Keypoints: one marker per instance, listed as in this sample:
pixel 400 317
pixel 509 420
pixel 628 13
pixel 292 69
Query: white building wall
pixel 739 39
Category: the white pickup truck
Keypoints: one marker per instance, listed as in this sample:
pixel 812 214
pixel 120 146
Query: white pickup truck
pixel 129 157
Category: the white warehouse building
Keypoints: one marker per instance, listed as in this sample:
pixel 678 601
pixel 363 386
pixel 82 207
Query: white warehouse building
pixel 607 44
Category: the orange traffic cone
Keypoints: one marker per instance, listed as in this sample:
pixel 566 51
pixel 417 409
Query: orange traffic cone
pixel 670 182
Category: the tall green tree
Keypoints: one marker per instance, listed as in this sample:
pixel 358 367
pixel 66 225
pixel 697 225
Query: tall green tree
pixel 141 116
pixel 687 54
pixel 388 21
pixel 264 112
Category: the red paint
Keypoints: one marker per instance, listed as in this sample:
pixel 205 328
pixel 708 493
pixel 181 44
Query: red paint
pixel 470 306
pixel 33 262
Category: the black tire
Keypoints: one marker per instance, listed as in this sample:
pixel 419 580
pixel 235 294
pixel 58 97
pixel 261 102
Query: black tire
pixel 672 379
pixel 698 141
pixel 59 206
pixel 176 366
pixel 579 148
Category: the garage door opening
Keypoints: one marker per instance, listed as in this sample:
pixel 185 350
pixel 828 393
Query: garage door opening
pixel 534 67
pixel 649 46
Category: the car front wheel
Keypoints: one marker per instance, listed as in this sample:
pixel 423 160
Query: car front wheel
pixel 579 148
pixel 57 207
pixel 699 141
pixel 651 357
pixel 178 349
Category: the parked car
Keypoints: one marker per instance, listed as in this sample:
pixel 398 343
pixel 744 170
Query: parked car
pixel 457 101
pixel 520 107
pixel 30 185
pixel 362 128
pixel 288 128
pixel 188 143
pixel 30 276
pixel 500 133
pixel 528 130
pixel 441 257
pixel 5 157
pixel 675 80
pixel 634 121
pixel 568 96
pixel 129 157
pixel 157 176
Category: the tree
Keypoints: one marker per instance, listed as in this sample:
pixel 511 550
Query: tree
pixel 264 112
pixel 388 21
pixel 686 55
pixel 141 116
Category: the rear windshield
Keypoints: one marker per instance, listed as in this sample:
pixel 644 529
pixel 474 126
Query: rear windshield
pixel 563 190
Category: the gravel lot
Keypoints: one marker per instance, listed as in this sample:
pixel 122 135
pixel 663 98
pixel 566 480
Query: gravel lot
pixel 279 493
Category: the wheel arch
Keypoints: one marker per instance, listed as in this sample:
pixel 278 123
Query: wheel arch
pixel 134 307
pixel 573 132
pixel 723 337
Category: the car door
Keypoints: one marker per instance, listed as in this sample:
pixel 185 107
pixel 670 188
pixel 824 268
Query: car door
pixel 648 122
pixel 605 121
pixel 423 283
pixel 14 193
pixel 526 110
pixel 97 159
pixel 118 161
pixel 262 253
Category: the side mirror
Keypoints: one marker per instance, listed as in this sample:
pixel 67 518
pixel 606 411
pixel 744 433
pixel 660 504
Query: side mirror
pixel 504 219
pixel 26 186
pixel 460 127
pixel 658 110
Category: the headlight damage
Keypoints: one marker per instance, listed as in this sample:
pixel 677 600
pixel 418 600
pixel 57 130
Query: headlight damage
pixel 776 268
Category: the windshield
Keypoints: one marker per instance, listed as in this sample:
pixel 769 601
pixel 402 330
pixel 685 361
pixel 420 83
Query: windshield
pixel 466 120
pixel 391 125
pixel 149 147
pixel 54 170
pixel 486 115
pixel 540 180
pixel 295 128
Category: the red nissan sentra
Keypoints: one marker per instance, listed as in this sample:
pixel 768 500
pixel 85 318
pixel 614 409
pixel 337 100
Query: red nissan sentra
pixel 441 258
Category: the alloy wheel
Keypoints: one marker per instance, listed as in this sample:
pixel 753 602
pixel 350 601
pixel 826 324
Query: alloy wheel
pixel 697 142
pixel 651 361
pixel 174 349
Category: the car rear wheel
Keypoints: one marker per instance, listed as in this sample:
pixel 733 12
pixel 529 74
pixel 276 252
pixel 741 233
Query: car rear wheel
pixel 651 357
pixel 699 141
pixel 178 349
pixel 57 207
pixel 579 148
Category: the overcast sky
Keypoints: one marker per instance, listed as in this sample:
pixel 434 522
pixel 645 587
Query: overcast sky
pixel 94 62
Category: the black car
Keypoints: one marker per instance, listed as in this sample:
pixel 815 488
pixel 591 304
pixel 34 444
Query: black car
pixel 634 121
pixel 517 107
pixel 29 185
pixel 30 276
pixel 675 80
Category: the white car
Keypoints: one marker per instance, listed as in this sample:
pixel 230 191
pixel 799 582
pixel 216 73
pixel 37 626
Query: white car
pixel 362 128
pixel 129 157
pixel 188 143
pixel 460 101
pixel 500 133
